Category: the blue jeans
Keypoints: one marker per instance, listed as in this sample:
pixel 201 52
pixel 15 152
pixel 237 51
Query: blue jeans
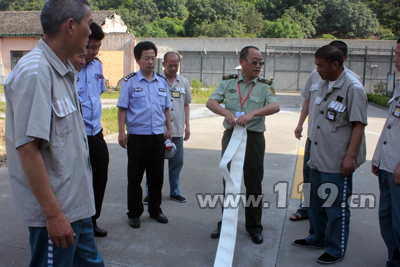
pixel 303 211
pixel 175 165
pixel 330 218
pixel 83 253
pixel 389 216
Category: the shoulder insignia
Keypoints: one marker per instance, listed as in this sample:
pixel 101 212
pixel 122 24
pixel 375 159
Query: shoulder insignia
pixel 266 81
pixel 272 90
pixel 96 58
pixel 228 77
pixel 159 75
pixel 129 76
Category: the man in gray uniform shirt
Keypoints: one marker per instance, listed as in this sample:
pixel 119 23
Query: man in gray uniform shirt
pixel 386 164
pixel 46 142
pixel 310 92
pixel 338 148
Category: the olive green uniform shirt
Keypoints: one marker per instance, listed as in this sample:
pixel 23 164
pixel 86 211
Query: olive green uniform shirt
pixel 260 96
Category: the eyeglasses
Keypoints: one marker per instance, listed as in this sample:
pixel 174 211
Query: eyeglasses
pixel 255 62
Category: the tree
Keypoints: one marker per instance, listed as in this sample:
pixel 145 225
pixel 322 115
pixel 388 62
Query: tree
pixel 172 8
pixel 281 28
pixel 172 26
pixel 251 20
pixel 220 28
pixel 25 5
pixel 294 16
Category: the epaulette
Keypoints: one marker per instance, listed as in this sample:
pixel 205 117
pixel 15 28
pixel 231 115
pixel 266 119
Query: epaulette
pixel 129 76
pixel 159 74
pixel 228 77
pixel 266 81
pixel 98 60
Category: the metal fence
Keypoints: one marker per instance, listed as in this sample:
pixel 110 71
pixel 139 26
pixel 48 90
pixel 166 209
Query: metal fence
pixel 290 66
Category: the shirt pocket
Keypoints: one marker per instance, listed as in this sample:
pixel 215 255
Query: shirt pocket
pixel 255 102
pixel 231 102
pixel 63 108
pixel 82 94
pixel 161 99
pixel 138 99
pixel 340 118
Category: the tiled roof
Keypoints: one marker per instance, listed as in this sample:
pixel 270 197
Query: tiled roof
pixel 28 22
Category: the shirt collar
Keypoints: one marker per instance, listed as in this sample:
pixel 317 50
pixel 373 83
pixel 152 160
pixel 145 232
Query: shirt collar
pixel 141 77
pixel 241 79
pixel 176 78
pixel 54 60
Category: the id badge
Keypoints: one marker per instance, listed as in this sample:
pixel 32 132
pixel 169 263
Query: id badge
pixel 176 94
pixel 331 114
pixel 396 111
pixel 238 114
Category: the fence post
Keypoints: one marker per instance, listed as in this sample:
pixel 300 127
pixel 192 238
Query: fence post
pixel 265 60
pixel 223 67
pixel 365 64
pixel 274 63
pixel 391 60
pixel 298 72
pixel 159 65
pixel 201 69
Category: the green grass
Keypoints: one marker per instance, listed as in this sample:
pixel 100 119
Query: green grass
pixel 109 120
pixel 1 89
pixel 378 99
pixel 3 107
pixel 107 95
pixel 202 95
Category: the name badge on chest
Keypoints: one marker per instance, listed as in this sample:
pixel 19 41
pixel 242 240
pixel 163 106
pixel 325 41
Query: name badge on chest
pixel 138 89
pixel 396 111
pixel 161 90
pixel 175 94
pixel 331 114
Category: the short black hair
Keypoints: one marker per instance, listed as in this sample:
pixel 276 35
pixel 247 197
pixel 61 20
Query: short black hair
pixel 97 32
pixel 398 41
pixel 245 51
pixel 55 12
pixel 342 46
pixel 330 54
pixel 170 52
pixel 143 46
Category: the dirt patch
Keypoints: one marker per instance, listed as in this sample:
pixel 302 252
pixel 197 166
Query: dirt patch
pixel 3 156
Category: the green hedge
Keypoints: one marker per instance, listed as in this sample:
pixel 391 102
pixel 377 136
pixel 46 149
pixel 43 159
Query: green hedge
pixel 378 99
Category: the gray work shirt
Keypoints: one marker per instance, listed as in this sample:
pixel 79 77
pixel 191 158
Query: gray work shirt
pixel 386 155
pixel 344 103
pixel 310 92
pixel 42 103
pixel 180 97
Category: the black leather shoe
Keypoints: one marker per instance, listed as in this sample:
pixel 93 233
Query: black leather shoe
pixel 99 232
pixel 134 222
pixel 161 218
pixel 216 233
pixel 257 238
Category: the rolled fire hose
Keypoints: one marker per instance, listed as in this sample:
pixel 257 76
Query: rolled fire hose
pixel 234 153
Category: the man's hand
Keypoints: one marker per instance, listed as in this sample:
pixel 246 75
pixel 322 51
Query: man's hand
pixel 168 135
pixel 348 166
pixel 396 175
pixel 60 231
pixel 187 134
pixel 230 118
pixel 244 119
pixel 122 139
pixel 298 131
pixel 374 169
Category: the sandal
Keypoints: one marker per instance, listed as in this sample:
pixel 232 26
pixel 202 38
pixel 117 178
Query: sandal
pixel 297 217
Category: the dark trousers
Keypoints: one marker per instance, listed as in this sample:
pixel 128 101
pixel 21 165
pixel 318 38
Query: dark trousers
pixel 145 153
pixel 99 159
pixel 253 169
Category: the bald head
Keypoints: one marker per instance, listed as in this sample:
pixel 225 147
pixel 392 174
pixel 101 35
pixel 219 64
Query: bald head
pixel 171 64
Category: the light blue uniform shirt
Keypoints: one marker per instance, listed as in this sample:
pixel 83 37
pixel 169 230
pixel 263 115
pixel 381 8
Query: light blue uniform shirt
pixel 145 102
pixel 90 85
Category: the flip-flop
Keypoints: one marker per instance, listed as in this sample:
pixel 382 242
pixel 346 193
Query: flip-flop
pixel 298 217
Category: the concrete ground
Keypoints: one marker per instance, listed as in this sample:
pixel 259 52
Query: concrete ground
pixel 185 240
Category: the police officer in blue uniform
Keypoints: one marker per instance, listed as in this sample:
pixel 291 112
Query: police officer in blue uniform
pixel 90 85
pixel 143 106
